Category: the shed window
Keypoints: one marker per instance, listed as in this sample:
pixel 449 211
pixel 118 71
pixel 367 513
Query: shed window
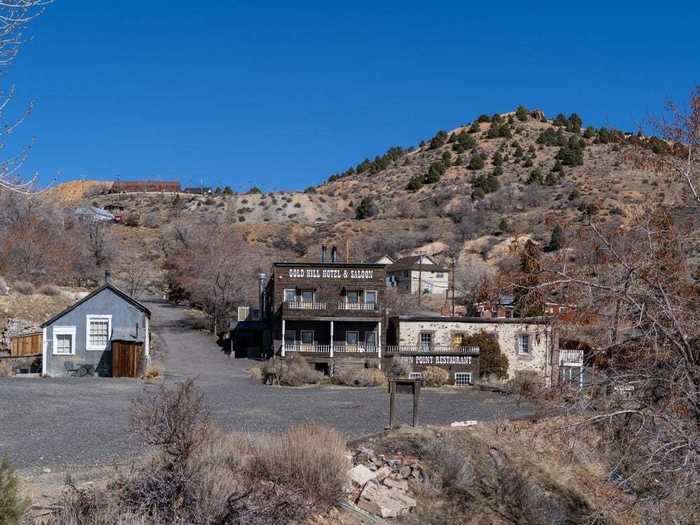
pixel 98 331
pixel 523 344
pixel 64 340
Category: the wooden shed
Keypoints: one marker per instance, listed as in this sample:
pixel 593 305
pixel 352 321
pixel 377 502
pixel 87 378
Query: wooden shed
pixel 26 345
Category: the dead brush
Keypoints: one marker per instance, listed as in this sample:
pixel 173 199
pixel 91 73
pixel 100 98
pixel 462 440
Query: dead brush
pixel 360 377
pixel 6 369
pixel 153 374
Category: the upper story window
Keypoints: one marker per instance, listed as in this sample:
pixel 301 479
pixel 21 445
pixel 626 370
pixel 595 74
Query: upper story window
pixel 307 296
pixel 290 295
pixel 425 341
pixel 523 342
pixel 370 297
pixel 99 328
pixel 352 296
pixel 439 275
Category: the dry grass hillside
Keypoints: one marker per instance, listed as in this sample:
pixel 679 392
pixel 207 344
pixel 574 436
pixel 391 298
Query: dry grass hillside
pixel 468 192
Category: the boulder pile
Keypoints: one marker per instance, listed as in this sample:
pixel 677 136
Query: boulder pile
pixel 383 485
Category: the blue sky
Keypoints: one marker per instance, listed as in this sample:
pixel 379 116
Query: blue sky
pixel 231 93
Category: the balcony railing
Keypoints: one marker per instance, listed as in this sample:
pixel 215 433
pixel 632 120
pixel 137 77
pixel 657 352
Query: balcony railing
pixel 326 349
pixel 433 349
pixel 362 307
pixel 305 305
pixel 570 357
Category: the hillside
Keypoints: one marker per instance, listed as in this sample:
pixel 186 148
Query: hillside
pixel 468 192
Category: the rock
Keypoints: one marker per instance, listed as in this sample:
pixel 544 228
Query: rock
pixel 469 423
pixel 384 501
pixel 360 475
pixel 399 484
pixel 383 473
pixel 405 471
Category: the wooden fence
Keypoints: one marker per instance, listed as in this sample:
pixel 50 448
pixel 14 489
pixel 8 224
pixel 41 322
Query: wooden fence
pixel 126 359
pixel 24 345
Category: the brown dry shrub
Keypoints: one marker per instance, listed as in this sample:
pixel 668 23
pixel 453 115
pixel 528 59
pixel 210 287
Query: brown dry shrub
pixel 153 373
pixel 435 376
pixel 293 370
pixel 360 377
pixel 6 369
pixel 399 368
pixel 23 287
pixel 309 457
pixel 50 290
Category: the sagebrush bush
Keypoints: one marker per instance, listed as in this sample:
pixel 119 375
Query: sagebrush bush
pixel 6 370
pixel 49 289
pixel 23 287
pixel 12 504
pixel 399 368
pixel 294 370
pixel 360 377
pixel 435 376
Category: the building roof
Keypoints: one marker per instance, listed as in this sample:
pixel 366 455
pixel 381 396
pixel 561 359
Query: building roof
pixel 92 294
pixel 412 263
pixel 483 320
pixel 302 264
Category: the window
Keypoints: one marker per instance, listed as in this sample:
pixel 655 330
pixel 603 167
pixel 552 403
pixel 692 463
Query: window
pixel 425 341
pixel 352 296
pixel 352 338
pixel 463 378
pixel 523 344
pixel 64 340
pixel 439 275
pixel 370 297
pixel 290 295
pixel 307 337
pixel 99 329
pixel 405 273
pixel 290 337
pixel 415 375
pixel 371 338
pixel 307 296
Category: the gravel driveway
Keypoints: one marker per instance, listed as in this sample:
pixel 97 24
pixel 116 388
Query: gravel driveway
pixel 68 422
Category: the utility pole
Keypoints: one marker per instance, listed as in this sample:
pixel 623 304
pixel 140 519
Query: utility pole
pixel 453 284
pixel 420 277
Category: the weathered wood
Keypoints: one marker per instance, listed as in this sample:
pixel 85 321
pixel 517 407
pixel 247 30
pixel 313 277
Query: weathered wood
pixel 26 345
pixel 126 359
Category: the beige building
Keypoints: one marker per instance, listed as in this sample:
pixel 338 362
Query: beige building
pixel 418 273
pixel 529 343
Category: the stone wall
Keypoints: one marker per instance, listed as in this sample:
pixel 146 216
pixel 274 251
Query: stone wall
pixel 506 331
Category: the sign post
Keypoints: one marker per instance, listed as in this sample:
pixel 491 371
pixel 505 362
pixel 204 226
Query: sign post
pixel 404 386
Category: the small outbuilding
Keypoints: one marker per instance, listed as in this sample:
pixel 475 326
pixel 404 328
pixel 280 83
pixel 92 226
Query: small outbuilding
pixel 106 333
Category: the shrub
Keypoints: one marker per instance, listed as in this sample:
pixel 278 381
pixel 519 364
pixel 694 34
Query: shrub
pixel 521 113
pixel 574 123
pixel 491 360
pixel 555 239
pixel 308 457
pixel 484 118
pixel 12 504
pixel 499 131
pixel 228 190
pixel 503 225
pixel 49 289
pixel 435 172
pixel 561 121
pixel 474 128
pixel 435 376
pixel 487 184
pixel 153 373
pixel 497 171
pixel 414 184
pixel 360 377
pixel 132 219
pixel 6 370
pixel 254 189
pixel 23 288
pixel 476 162
pixel 589 133
pixel 293 371
pixel 365 209
pixel 310 189
pixel 399 368
pixel 497 159
pixel 535 177
pixel 438 140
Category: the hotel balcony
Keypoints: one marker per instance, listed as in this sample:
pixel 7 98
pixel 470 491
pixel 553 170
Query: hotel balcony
pixel 431 349
pixel 340 309
pixel 338 348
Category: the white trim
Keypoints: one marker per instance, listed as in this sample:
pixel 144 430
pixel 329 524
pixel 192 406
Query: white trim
pixel 147 340
pixel 44 348
pixel 88 319
pixel 518 345
pixel 468 375
pixel 63 330
pixel 376 296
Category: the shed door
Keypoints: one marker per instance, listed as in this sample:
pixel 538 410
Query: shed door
pixel 126 359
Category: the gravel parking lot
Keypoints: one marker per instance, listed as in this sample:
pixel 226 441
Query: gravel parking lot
pixel 65 423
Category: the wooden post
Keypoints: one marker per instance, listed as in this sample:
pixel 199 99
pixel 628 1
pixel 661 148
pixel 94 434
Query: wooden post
pixel 331 338
pixel 392 403
pixel 379 343
pixel 416 402
pixel 420 277
pixel 283 329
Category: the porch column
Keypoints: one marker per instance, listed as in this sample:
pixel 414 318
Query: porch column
pixel 331 338
pixel 379 343
pixel 283 329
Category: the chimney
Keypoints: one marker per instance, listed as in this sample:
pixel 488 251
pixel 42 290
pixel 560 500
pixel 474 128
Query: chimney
pixel 108 277
pixel 334 254
pixel 261 290
pixel 323 253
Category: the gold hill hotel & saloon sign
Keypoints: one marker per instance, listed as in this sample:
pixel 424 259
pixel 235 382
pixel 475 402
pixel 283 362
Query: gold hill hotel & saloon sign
pixel 331 273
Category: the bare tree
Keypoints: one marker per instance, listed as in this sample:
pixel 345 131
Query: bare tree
pixel 15 16
pixel 634 285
